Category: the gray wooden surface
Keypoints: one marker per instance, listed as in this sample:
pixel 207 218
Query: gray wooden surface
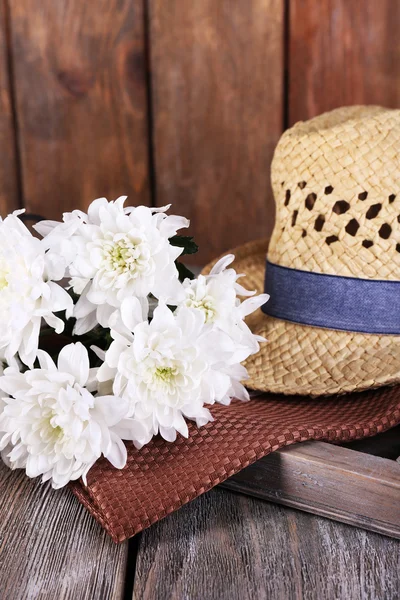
pixel 222 545
pixel 51 548
pixel 228 546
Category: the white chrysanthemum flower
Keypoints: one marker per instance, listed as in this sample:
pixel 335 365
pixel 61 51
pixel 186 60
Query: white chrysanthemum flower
pixel 118 253
pixel 3 363
pixel 216 296
pixel 28 293
pixel 3 366
pixel 51 425
pixel 170 368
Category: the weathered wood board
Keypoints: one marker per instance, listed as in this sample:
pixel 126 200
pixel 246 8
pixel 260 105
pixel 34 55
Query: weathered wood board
pixel 224 545
pixel 331 481
pixel 50 546
pixel 231 547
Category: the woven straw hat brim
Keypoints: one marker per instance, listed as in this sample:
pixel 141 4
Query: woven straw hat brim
pixel 299 359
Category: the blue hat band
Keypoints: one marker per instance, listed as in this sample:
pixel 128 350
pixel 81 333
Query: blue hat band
pixel 332 301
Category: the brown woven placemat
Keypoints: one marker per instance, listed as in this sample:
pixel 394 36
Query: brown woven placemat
pixel 162 476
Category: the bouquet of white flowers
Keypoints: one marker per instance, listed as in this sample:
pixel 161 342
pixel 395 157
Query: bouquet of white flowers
pixel 145 347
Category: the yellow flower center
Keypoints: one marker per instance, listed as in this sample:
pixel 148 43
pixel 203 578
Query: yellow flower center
pixel 120 256
pixel 206 304
pixel 165 374
pixel 123 256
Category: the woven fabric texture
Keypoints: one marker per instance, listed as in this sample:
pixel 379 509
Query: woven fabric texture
pixel 161 477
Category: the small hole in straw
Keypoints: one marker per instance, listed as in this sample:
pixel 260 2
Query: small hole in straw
pixel 287 197
pixel 328 189
pixel 302 184
pixel 319 223
pixel 398 247
pixel 303 233
pixel 294 217
pixel 363 196
pixel 310 200
pixel 352 227
pixel 340 207
pixel 367 243
pixel 331 239
pixel 385 231
pixel 373 211
pixel 392 198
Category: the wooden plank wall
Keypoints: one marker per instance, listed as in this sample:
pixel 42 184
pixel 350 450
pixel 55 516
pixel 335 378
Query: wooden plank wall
pixel 177 102
pixel 81 101
pixel 217 89
pixel 9 188
pixel 342 52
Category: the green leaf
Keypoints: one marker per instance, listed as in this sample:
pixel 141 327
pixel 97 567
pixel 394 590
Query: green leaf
pixel 184 272
pixel 186 242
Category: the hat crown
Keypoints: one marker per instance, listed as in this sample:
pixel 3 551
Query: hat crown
pixel 336 182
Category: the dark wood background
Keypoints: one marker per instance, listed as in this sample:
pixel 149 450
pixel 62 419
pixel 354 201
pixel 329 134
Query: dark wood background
pixel 178 102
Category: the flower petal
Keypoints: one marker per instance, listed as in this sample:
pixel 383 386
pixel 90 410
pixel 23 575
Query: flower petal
pixel 74 359
pixel 117 454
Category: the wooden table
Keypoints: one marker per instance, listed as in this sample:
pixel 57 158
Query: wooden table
pixel 221 546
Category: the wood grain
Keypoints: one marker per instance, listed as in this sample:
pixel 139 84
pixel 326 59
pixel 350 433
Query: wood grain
pixel 81 101
pixel 231 547
pixel 342 52
pixel 331 481
pixel 9 191
pixel 217 74
pixel 50 547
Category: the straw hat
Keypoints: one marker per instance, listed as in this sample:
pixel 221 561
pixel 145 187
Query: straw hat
pixel 336 183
